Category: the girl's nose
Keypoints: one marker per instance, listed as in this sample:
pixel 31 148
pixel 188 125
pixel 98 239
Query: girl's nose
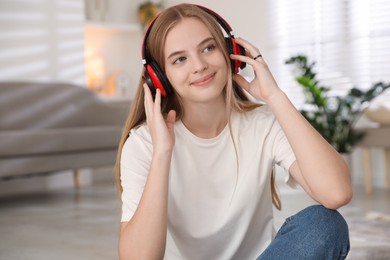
pixel 199 64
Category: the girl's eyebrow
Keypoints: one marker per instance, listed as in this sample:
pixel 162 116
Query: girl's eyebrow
pixel 201 43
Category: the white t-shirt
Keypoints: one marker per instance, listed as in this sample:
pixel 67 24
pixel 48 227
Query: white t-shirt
pixel 219 202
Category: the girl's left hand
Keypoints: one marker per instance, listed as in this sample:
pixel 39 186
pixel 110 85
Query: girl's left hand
pixel 263 86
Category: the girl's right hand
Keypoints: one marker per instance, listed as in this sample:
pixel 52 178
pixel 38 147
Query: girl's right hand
pixel 160 128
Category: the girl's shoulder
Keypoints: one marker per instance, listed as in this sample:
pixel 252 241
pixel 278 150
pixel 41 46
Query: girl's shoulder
pixel 259 115
pixel 140 130
pixel 141 134
pixel 258 122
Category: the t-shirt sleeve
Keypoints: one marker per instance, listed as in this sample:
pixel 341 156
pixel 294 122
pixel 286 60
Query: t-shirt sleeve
pixel 134 168
pixel 282 152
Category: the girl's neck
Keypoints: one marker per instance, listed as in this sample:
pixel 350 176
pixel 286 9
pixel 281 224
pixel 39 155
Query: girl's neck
pixel 206 120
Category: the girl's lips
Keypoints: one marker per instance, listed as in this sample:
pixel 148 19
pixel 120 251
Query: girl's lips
pixel 204 80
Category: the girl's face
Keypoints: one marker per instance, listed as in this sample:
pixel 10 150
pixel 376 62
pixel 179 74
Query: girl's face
pixel 194 65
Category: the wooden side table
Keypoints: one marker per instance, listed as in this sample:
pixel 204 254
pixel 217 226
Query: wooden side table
pixel 375 137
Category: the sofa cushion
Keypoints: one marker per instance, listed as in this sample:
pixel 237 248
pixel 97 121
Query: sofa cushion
pixel 13 167
pixel 57 141
pixel 28 105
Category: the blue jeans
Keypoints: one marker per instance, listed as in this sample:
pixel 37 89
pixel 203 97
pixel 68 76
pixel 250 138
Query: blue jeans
pixel 313 233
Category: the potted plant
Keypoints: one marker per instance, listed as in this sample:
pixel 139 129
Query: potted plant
pixel 332 116
pixel 147 11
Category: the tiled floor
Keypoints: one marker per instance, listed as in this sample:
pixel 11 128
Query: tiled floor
pixel 65 225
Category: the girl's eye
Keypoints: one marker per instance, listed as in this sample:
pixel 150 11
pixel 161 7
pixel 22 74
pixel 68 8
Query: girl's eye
pixel 179 60
pixel 209 48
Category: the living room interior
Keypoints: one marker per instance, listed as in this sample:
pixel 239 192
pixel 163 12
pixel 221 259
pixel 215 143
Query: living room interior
pixel 83 60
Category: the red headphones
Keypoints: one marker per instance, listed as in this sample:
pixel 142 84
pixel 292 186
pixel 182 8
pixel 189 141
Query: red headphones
pixel 154 76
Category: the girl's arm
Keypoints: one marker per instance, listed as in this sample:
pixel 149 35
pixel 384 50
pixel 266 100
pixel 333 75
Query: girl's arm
pixel 319 168
pixel 144 236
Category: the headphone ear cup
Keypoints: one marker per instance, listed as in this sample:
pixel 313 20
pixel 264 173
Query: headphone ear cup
pixel 148 78
pixel 156 79
pixel 239 50
pixel 234 48
pixel 166 87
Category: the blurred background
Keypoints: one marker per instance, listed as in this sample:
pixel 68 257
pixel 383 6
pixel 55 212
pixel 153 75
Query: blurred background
pixel 96 45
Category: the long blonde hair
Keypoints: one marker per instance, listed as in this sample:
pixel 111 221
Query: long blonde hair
pixel 235 98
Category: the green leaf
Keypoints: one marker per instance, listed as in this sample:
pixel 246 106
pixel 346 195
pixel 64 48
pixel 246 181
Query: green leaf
pixel 332 117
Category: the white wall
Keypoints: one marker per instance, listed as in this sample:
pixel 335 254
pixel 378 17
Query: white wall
pixel 115 38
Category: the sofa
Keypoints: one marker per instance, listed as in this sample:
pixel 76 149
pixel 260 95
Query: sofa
pixel 51 127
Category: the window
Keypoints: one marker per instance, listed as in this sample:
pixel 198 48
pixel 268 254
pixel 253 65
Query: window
pixel 348 39
pixel 42 40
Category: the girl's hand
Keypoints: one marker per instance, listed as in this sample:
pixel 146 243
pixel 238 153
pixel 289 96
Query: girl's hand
pixel 161 129
pixel 263 86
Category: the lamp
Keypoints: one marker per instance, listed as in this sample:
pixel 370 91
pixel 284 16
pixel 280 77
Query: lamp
pixel 95 72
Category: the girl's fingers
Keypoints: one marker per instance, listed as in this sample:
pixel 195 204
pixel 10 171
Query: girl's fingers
pixel 242 82
pixel 148 100
pixel 157 101
pixel 253 51
pixel 152 107
pixel 171 118
pixel 247 60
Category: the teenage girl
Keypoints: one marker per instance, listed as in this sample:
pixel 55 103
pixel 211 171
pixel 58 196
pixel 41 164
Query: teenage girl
pixel 195 162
